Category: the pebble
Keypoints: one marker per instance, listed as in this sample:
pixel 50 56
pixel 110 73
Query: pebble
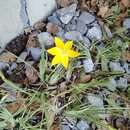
pixel 126 23
pixel 60 33
pixel 52 28
pixel 88 65
pixel 67 13
pixel 86 42
pixel 122 83
pixel 86 17
pixel 95 33
pixel 3 65
pixel 74 35
pixel 83 125
pixel 65 127
pixel 115 66
pixel 46 40
pixel 35 53
pixel 13 66
pixel 112 84
pixel 95 100
pixel 81 27
pixel 54 19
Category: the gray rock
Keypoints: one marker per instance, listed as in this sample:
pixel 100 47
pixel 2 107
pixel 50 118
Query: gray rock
pixel 46 39
pixel 122 83
pixel 115 66
pixel 95 33
pixel 83 125
pixel 3 65
pixel 81 27
pixel 54 19
pixel 86 42
pixel 70 27
pixel 65 127
pixel 39 9
pixel 126 67
pixel 35 53
pixel 86 17
pixel 95 100
pixel 126 23
pixel 112 84
pixel 88 65
pixel 67 13
pixel 13 66
pixel 74 35
pixel 11 20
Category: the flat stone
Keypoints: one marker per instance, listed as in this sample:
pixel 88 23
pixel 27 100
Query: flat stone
pixel 22 57
pixel 95 33
pixel 126 23
pixel 39 9
pixel 3 65
pixel 88 65
pixel 115 66
pixel 60 33
pixel 86 17
pixel 81 27
pixel 95 100
pixel 12 20
pixel 74 35
pixel 67 13
pixel 46 39
pixel 82 125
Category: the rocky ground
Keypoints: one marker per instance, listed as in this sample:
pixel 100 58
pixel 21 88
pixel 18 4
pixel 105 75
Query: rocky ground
pixel 93 94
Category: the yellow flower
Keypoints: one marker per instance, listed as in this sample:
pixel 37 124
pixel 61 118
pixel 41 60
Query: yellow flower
pixel 62 52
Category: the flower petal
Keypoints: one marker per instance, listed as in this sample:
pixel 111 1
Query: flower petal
pixel 54 51
pixel 59 43
pixel 68 45
pixel 65 61
pixel 56 60
pixel 72 53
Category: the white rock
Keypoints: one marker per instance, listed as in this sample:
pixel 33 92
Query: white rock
pixel 95 100
pixel 83 125
pixel 39 9
pixel 12 20
pixel 88 65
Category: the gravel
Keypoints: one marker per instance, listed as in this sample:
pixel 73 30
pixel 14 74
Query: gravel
pixel 35 53
pixel 82 125
pixel 73 35
pixel 126 23
pixel 95 33
pixel 46 40
pixel 115 66
pixel 67 13
pixel 95 100
pixel 88 65
pixel 86 17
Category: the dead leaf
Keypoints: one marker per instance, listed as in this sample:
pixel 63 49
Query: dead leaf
pixel 39 26
pixel 63 3
pixel 126 3
pixel 32 41
pixel 103 11
pixel 28 30
pixel 15 106
pixel 55 126
pixel 7 57
pixel 31 75
pixel 126 56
